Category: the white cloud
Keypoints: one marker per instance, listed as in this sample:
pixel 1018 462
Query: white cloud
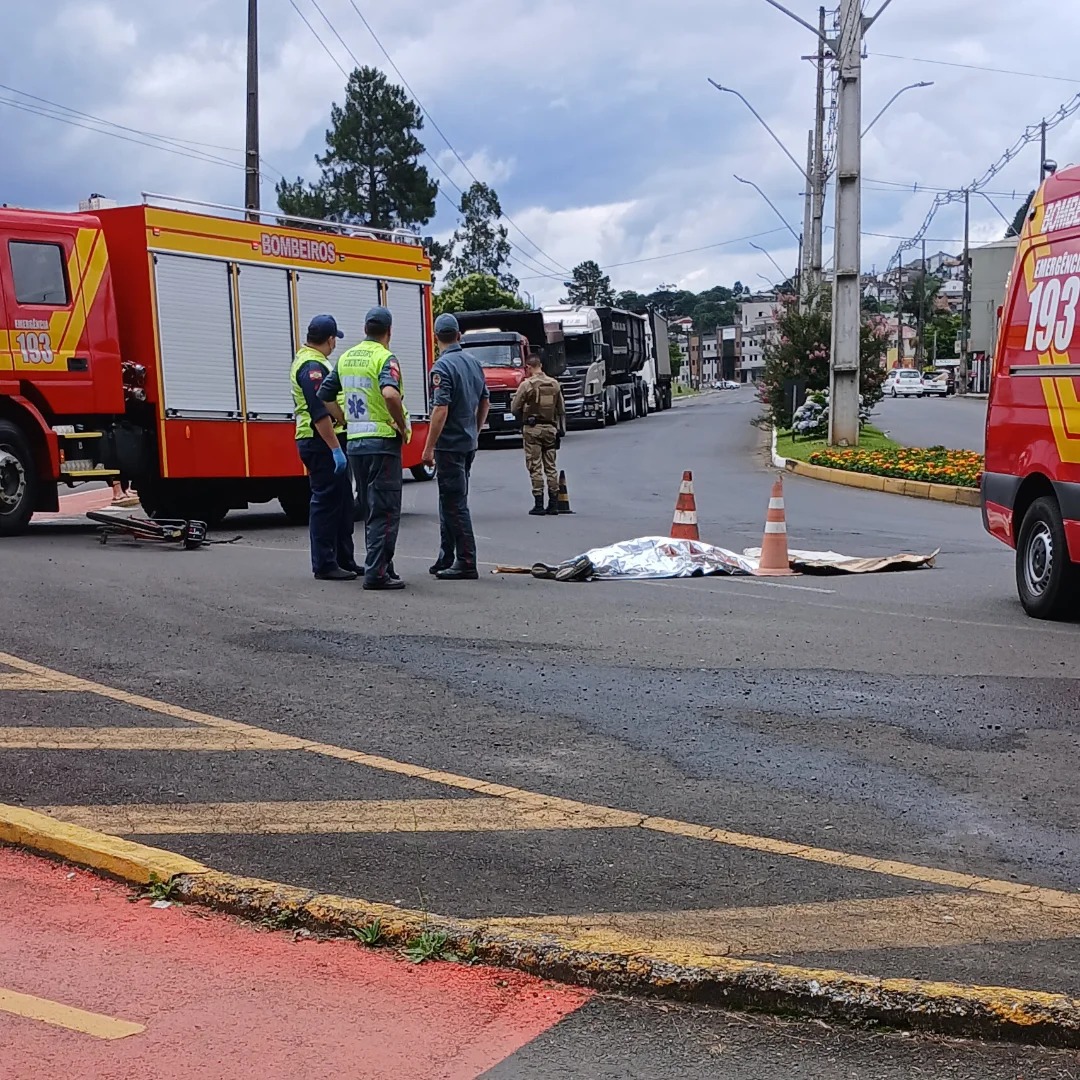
pixel 594 122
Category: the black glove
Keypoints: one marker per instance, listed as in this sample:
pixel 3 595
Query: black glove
pixel 558 440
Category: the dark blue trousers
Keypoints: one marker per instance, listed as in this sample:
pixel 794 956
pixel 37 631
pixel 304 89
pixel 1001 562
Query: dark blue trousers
pixel 378 497
pixel 457 543
pixel 330 525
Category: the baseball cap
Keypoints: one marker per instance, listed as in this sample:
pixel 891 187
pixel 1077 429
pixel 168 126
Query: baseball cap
pixel 380 316
pixel 446 323
pixel 323 327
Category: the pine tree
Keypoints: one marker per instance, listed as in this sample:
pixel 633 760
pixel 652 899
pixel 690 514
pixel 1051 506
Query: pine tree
pixel 480 244
pixel 370 171
pixel 589 287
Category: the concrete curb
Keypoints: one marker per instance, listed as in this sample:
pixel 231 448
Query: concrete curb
pixel 974 1011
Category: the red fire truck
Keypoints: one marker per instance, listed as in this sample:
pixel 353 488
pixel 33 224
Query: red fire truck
pixel 153 344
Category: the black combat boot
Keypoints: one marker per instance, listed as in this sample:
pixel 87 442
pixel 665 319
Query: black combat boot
pixel 553 504
pixel 538 505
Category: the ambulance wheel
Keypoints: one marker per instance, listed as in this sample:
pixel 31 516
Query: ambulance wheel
pixel 18 480
pixel 427 472
pixel 1045 578
pixel 296 502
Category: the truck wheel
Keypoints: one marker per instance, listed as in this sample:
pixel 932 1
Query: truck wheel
pixel 296 502
pixel 1045 578
pixel 422 473
pixel 18 481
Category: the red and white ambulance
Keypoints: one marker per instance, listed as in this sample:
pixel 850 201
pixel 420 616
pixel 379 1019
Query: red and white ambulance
pixel 1031 482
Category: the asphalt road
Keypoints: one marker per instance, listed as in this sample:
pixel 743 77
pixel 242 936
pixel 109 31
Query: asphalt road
pixel 958 423
pixel 918 717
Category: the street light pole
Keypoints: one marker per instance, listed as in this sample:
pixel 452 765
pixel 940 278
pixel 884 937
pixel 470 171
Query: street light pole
pixel 761 121
pixel 750 183
pixel 885 107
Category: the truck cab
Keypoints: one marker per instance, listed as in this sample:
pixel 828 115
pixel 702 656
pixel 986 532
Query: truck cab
pixel 501 354
pixel 583 381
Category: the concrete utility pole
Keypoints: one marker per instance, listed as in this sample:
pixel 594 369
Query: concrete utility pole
pixel 1042 154
pixel 806 277
pixel 251 146
pixel 817 171
pixel 920 348
pixel 900 313
pixel 965 308
pixel 847 299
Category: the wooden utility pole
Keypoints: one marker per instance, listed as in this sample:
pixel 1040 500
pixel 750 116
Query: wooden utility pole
pixel 965 308
pixel 251 145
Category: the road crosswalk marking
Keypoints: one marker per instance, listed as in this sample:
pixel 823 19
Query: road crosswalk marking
pixel 372 816
pixel 1054 898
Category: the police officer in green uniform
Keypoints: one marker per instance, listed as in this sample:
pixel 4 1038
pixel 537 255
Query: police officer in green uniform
pixel 318 441
pixel 368 377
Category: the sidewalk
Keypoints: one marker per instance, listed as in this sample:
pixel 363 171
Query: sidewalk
pixel 94 985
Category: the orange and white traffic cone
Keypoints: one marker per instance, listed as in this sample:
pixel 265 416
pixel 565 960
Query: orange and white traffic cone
pixel 684 525
pixel 774 552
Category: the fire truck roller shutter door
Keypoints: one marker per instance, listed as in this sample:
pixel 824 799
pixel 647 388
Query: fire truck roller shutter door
pixel 267 336
pixel 198 348
pixel 410 342
pixel 345 296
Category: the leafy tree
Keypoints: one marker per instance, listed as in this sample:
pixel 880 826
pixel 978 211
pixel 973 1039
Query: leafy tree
pixel 799 347
pixel 676 358
pixel 1021 217
pixel 629 300
pixel 475 292
pixel 370 171
pixel 438 253
pixel 589 286
pixel 480 244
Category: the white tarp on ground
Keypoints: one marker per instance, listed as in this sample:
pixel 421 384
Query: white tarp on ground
pixel 665 557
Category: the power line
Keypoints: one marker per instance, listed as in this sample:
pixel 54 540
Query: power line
pixel 184 144
pixel 208 159
pixel 1030 134
pixel 978 67
pixel 914 186
pixel 556 265
pixel 673 254
pixel 527 260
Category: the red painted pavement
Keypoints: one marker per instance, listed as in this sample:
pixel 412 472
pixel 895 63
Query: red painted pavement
pixel 75 504
pixel 222 999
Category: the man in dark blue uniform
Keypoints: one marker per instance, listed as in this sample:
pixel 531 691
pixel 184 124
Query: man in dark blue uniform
pixel 460 399
pixel 319 443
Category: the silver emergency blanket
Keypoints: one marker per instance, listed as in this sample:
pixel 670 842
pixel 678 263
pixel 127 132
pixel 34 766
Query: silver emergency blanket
pixel 664 557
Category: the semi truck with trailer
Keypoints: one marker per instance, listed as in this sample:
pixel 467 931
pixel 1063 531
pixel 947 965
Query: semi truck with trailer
pixel 605 355
pixel 500 340
pixel 657 370
pixel 153 344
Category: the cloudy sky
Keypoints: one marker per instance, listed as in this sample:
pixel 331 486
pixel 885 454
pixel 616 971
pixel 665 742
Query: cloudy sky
pixel 594 121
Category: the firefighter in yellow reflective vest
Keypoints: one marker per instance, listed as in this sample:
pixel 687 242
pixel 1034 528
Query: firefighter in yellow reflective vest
pixel 318 440
pixel 377 423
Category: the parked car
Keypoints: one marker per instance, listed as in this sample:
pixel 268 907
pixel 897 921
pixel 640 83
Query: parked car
pixel 937 383
pixel 904 382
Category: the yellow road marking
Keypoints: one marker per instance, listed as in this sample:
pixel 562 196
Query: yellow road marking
pixel 925 920
pixel 1056 898
pixel 22 681
pixel 374 816
pixel 65 1016
pixel 131 738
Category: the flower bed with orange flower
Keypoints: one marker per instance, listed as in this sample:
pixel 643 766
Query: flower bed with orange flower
pixel 935 464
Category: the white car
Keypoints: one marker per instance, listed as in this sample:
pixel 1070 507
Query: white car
pixel 936 384
pixel 904 381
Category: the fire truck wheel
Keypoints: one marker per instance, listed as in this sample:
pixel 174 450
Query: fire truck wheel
pixel 18 480
pixel 296 504
pixel 424 472
pixel 1045 578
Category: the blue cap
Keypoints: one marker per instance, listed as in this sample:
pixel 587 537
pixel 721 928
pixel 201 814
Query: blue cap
pixel 322 328
pixel 446 324
pixel 380 317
